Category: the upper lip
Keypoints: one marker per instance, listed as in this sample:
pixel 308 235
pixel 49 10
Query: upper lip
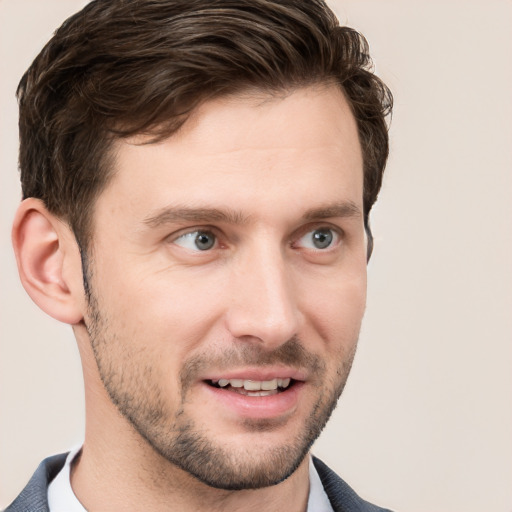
pixel 258 374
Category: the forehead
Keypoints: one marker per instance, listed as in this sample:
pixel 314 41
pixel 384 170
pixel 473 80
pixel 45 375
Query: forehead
pixel 312 117
pixel 244 150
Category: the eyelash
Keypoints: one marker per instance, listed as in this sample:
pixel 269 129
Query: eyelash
pixel 195 230
pixel 337 232
pixel 336 237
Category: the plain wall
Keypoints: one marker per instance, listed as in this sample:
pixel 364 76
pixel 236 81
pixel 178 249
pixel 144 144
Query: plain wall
pixel 425 423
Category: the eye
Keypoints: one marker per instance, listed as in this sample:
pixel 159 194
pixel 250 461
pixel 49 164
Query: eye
pixel 199 240
pixel 318 239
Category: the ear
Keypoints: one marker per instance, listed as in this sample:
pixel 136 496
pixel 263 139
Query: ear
pixel 369 240
pixel 48 261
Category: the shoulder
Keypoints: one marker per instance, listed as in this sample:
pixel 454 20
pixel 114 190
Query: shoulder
pixel 342 497
pixel 34 497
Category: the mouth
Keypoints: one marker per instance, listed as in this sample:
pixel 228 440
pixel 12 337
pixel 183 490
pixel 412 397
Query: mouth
pixel 253 388
pixel 256 394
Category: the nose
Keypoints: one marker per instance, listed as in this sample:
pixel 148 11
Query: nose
pixel 263 305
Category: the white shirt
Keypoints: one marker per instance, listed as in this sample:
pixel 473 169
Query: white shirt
pixel 318 500
pixel 61 497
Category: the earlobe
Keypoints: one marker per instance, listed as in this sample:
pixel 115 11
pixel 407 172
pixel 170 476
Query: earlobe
pixel 48 261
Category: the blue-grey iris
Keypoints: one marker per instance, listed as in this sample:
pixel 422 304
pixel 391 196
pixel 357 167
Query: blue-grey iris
pixel 204 240
pixel 322 238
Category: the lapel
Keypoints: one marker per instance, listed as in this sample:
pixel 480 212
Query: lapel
pixel 342 497
pixel 34 497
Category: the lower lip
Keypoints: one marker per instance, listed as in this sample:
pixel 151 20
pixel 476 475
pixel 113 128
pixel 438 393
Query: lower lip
pixel 258 407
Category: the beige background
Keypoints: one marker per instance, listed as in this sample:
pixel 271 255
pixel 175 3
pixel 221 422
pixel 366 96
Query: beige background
pixel 425 424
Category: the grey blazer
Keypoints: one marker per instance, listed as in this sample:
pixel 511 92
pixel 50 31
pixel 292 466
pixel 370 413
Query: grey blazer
pixel 34 498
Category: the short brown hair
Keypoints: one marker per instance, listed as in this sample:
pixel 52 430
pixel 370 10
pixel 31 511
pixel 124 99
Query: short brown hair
pixel 122 67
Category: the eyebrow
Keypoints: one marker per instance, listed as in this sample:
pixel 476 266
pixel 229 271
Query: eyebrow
pixel 340 209
pixel 171 214
pixel 180 214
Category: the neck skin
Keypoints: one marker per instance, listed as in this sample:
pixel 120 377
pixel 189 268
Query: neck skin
pixel 118 470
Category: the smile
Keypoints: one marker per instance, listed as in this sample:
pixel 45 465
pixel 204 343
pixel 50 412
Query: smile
pixel 250 387
pixel 256 393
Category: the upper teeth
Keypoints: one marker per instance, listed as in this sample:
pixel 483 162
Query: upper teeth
pixel 254 385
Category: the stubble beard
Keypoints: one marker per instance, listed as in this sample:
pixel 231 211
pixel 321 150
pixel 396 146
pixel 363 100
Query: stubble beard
pixel 179 440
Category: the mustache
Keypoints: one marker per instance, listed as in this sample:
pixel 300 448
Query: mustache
pixel 291 353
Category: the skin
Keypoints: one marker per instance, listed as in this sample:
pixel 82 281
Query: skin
pixel 259 175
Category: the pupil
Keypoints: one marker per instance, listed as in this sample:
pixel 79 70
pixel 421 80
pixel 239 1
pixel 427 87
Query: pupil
pixel 322 238
pixel 204 241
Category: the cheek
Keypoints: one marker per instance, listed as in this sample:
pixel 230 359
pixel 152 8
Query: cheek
pixel 336 310
pixel 165 315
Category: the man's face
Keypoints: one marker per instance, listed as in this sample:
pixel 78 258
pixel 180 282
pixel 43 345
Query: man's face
pixel 228 281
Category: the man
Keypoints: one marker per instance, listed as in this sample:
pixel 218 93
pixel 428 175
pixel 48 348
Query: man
pixel 197 180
